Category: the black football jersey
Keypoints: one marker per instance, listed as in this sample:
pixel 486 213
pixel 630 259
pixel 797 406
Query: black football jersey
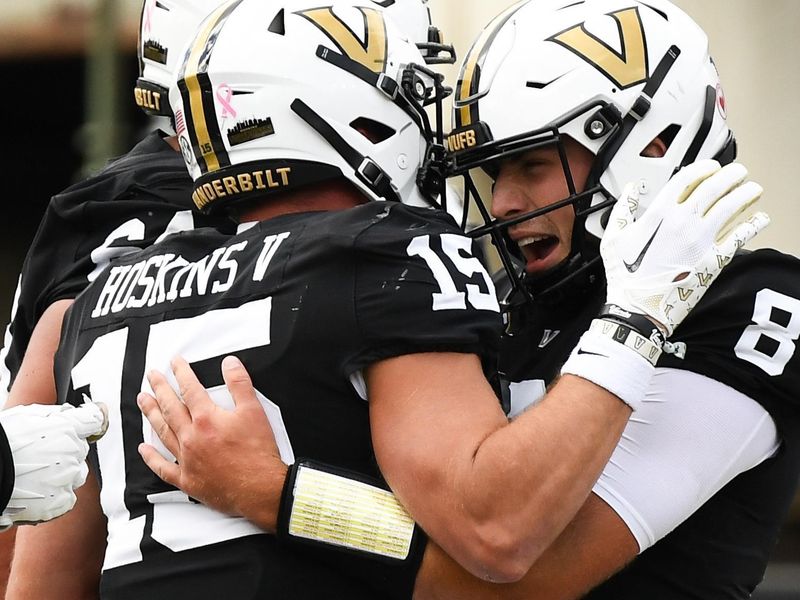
pixel 130 204
pixel 7 473
pixel 305 301
pixel 744 334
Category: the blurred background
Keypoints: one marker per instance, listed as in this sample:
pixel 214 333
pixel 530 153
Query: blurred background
pixel 68 68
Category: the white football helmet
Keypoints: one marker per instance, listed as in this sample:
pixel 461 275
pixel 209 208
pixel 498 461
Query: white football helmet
pixel 165 27
pixel 275 95
pixel 612 75
pixel 414 19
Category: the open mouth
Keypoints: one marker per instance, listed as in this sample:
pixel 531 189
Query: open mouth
pixel 537 249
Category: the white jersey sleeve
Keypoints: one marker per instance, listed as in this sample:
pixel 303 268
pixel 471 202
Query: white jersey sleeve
pixel 692 436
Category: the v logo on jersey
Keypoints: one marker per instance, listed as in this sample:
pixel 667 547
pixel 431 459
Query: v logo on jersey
pixel 626 68
pixel 371 52
pixel 634 266
pixel 548 336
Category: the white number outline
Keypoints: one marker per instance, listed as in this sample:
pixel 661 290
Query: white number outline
pixel 133 230
pixel 785 336
pixel 177 523
pixel 449 297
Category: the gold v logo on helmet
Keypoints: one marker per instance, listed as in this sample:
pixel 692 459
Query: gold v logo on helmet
pixel 626 68
pixel 371 52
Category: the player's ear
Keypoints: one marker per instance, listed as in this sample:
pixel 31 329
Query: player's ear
pixel 655 149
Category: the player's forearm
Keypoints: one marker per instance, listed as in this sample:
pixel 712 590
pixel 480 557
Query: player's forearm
pixel 62 558
pixel 535 474
pixel 493 495
pixel 595 545
pixel 7 539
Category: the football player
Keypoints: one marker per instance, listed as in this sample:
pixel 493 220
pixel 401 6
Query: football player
pixel 560 135
pixel 627 91
pixel 133 202
pixel 130 204
pixel 366 296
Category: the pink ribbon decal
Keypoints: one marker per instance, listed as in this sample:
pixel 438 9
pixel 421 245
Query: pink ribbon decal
pixel 224 95
pixel 148 15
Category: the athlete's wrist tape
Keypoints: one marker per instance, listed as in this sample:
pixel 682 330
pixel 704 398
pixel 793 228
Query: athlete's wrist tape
pixel 616 358
pixel 324 505
pixel 638 322
pixel 647 348
pixel 644 326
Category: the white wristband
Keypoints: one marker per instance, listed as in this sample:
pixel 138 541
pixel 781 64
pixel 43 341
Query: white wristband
pixel 615 358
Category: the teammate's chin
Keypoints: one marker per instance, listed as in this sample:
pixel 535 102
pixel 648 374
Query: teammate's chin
pixel 542 253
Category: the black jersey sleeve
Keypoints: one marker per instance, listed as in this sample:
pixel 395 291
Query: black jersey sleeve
pixel 744 333
pixel 127 206
pixel 419 288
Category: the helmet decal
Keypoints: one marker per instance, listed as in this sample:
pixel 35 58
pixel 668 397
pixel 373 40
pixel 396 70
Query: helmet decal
pixel 371 52
pixel 626 68
pixel 155 52
pixel 722 103
pixel 165 27
pixel 249 130
pixel 145 19
pixel 469 80
pixel 195 87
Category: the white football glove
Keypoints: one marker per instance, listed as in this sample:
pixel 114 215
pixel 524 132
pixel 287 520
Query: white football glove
pixel 662 264
pixel 49 447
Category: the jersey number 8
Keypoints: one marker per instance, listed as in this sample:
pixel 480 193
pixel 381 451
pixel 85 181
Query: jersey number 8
pixel 769 343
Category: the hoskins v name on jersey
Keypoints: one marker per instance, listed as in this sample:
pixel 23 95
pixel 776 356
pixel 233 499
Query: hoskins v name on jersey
pixel 167 277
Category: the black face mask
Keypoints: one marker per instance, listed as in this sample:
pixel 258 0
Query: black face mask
pixel 474 147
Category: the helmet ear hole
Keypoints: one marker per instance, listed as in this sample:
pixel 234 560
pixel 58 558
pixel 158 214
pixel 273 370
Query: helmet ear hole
pixel 661 143
pixel 374 131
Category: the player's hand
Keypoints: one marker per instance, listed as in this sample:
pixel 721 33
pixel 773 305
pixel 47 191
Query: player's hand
pixel 49 447
pixel 226 459
pixel 661 264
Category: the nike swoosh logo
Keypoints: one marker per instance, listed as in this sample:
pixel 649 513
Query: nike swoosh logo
pixel 582 351
pixel 634 266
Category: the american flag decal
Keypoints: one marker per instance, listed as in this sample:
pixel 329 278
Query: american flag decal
pixel 180 124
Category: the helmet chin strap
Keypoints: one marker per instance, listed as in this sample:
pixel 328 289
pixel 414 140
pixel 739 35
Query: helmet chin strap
pixel 570 279
pixel 366 169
